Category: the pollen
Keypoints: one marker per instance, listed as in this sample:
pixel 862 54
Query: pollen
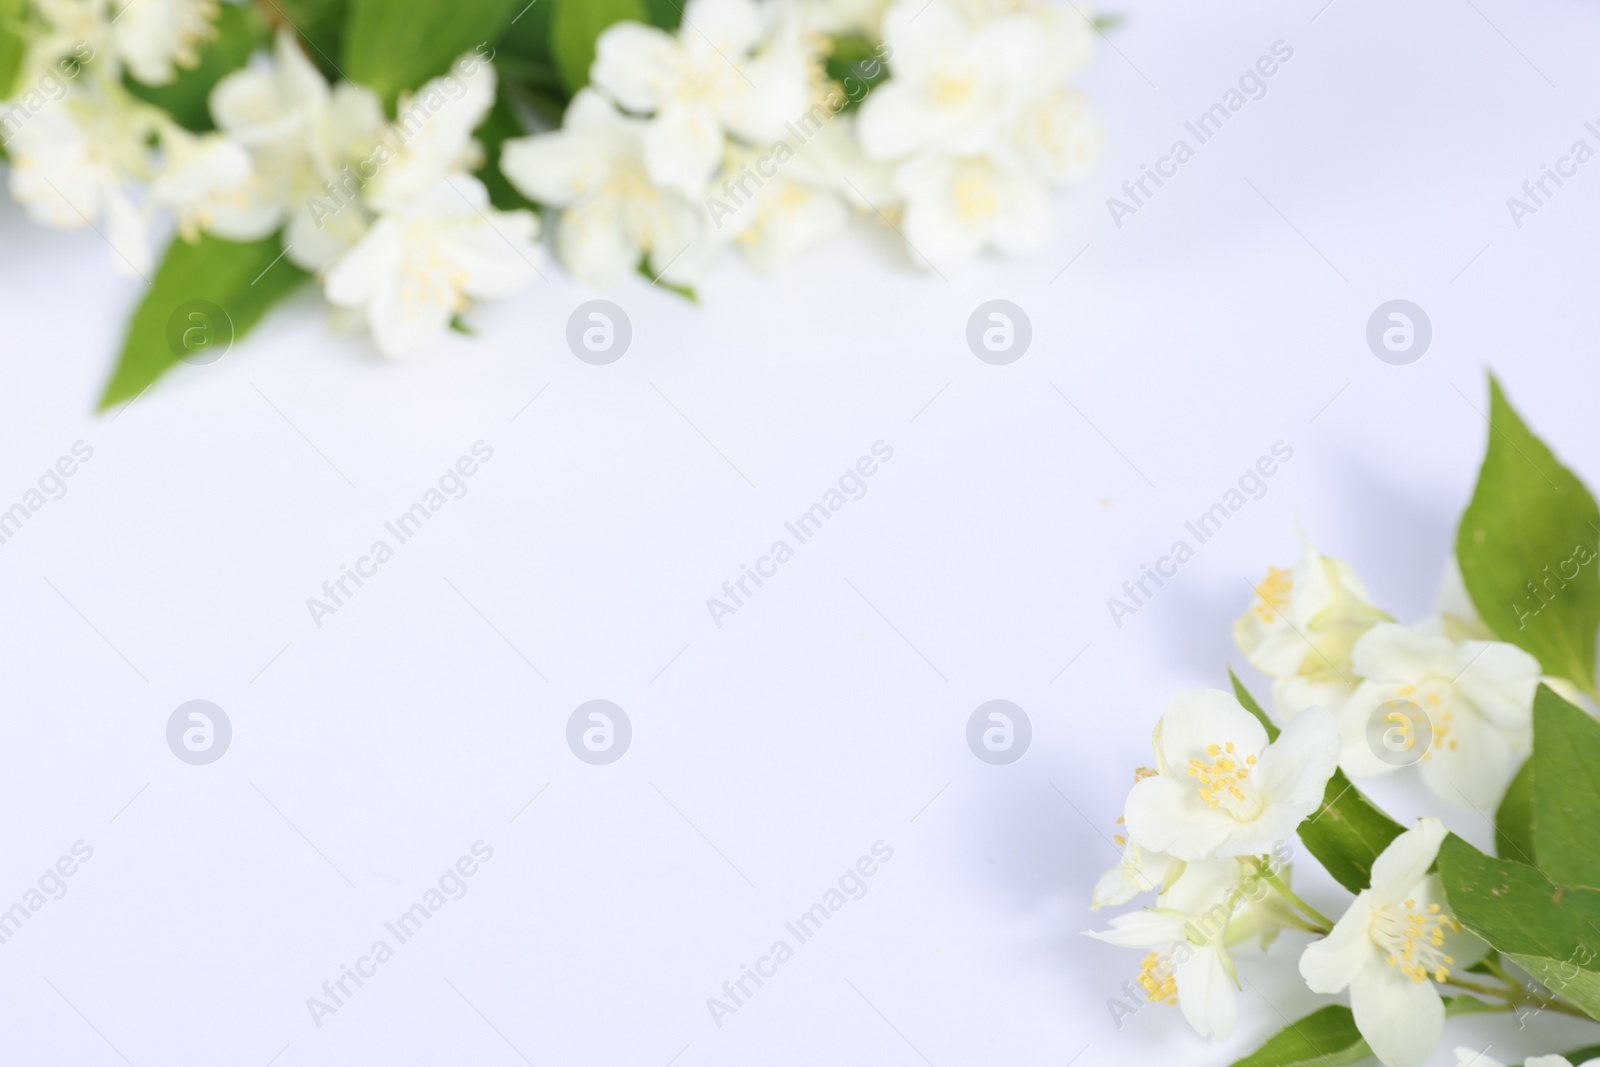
pixel 1274 592
pixel 1221 780
pixel 1414 937
pixel 1155 978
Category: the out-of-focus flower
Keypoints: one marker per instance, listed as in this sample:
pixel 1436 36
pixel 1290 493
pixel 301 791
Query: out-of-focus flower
pixel 415 269
pixel 612 212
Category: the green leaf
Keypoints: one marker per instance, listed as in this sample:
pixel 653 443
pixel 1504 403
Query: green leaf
pixel 497 128
pixel 1326 1038
pixel 574 27
pixel 667 14
pixel 241 30
pixel 1578 1057
pixel 1549 930
pixel 1527 545
pixel 1243 696
pixel 242 280
pixel 854 63
pixel 1513 822
pixel 12 44
pixel 1566 790
pixel 320 24
pixel 1348 831
pixel 396 45
pixel 685 291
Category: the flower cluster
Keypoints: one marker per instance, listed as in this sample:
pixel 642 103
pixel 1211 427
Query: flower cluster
pixel 1442 694
pixel 728 130
pixel 1435 926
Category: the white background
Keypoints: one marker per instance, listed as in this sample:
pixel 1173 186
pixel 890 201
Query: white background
pixel 829 713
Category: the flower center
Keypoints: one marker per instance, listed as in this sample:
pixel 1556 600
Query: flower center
pixel 1221 781
pixel 1274 593
pixel 1414 937
pixel 1155 978
pixel 1433 696
pixel 975 199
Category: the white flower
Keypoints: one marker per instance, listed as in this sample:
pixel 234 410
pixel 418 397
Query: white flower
pixel 305 146
pixel 414 269
pixel 432 133
pixel 1389 949
pixel 707 80
pixel 612 213
pixel 71 164
pixel 957 206
pixel 954 86
pixel 1206 908
pixel 1139 871
pixel 779 202
pixel 204 180
pixel 1301 627
pixel 1222 790
pixel 1477 697
pixel 153 37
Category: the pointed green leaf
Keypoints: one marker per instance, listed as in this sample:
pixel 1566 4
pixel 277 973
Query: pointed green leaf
pixel 1566 790
pixel 575 25
pixel 1244 697
pixel 12 44
pixel 1326 1038
pixel 204 296
pixel 1527 545
pixel 1552 931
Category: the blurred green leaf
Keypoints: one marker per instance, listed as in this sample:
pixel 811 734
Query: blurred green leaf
pixel 500 126
pixel 320 24
pixel 1326 1038
pixel 12 44
pixel 1529 520
pixel 205 296
pixel 241 30
pixel 667 14
pixel 575 25
pixel 397 45
pixel 853 62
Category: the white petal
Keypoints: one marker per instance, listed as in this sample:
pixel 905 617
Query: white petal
pixel 1499 680
pixel 727 26
pixel 593 243
pixel 1293 772
pixel 631 62
pixel 1168 815
pixel 1475 761
pixel 1206 992
pixel 360 272
pixel 1402 866
pixel 1143 929
pixel 682 146
pixel 1330 965
pixel 1401 1019
pixel 1198 718
pixel 1357 755
pixel 1392 653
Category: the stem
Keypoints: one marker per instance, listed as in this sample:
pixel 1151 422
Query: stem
pixel 1519 995
pixel 1269 876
